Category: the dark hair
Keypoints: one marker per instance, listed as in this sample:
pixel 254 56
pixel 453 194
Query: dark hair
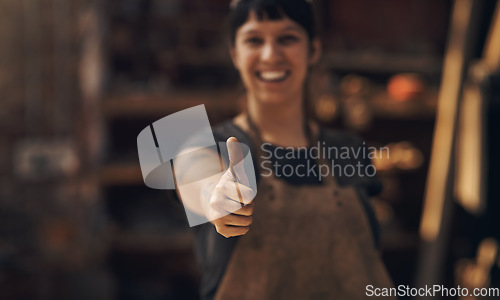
pixel 299 11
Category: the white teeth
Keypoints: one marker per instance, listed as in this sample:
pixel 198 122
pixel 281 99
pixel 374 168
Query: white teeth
pixel 273 75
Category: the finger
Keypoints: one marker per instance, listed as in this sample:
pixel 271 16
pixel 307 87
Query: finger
pixel 246 210
pixel 237 220
pixel 224 206
pixel 229 231
pixel 234 151
pixel 238 192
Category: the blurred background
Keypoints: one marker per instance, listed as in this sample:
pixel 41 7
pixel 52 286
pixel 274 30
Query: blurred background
pixel 80 79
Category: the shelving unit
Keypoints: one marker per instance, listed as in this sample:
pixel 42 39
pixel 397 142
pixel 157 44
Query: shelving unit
pixel 380 62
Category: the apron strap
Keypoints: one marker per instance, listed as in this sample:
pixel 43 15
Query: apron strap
pixel 246 123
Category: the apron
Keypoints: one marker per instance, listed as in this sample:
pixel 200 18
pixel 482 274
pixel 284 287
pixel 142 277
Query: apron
pixel 305 242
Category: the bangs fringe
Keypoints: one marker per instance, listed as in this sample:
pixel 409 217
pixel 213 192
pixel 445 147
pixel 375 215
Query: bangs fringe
pixel 299 11
pixel 270 11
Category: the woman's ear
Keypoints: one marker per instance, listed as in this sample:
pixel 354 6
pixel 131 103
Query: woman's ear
pixel 315 51
pixel 232 53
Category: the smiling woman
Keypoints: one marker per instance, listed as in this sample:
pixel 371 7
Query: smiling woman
pixel 273 58
pixel 302 237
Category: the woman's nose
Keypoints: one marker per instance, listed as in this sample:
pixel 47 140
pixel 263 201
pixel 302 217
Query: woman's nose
pixel 271 52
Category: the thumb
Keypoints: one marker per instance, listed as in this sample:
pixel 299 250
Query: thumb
pixel 234 151
pixel 236 157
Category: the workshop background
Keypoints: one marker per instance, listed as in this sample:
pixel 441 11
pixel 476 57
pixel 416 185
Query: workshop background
pixel 80 79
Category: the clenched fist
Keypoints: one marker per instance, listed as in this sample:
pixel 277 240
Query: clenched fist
pixel 231 204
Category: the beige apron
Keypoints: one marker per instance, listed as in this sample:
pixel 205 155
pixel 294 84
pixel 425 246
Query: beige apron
pixel 306 242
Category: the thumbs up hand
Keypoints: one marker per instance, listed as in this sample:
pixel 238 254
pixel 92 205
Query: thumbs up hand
pixel 231 205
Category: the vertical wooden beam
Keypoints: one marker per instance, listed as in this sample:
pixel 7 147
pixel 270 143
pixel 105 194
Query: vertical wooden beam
pixel 437 201
pixel 472 157
pixel 449 95
pixel 492 48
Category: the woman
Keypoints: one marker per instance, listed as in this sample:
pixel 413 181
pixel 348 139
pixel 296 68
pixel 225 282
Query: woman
pixel 304 236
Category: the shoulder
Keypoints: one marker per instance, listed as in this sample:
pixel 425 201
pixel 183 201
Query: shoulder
pixel 350 152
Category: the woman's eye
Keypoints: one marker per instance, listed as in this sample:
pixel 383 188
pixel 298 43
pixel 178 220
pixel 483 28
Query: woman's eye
pixel 288 39
pixel 254 41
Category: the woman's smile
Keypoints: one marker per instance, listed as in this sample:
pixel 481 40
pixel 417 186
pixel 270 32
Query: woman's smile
pixel 273 76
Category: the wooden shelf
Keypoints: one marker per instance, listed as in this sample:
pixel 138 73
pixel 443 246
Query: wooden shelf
pixel 385 108
pixel 367 61
pixel 146 105
pixel 125 173
pixel 137 105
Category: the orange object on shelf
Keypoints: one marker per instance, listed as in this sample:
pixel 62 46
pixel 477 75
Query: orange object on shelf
pixel 404 87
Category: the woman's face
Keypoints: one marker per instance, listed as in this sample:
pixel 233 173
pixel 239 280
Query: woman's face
pixel 273 57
